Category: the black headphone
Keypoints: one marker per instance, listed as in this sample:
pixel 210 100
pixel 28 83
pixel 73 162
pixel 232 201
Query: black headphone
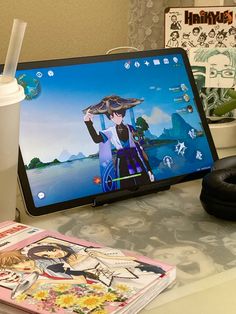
pixel 218 195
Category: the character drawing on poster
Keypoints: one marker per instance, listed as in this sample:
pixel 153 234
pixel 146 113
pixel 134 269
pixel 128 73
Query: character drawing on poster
pixel 194 39
pixel 131 162
pixel 173 41
pixel 232 30
pixel 220 37
pixel 196 31
pixel 202 40
pixel 204 27
pixel 233 43
pixel 185 42
pixel 211 36
pixel 175 25
pixel 220 66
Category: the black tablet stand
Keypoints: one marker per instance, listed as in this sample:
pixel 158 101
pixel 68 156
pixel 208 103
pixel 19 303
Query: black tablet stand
pixel 133 192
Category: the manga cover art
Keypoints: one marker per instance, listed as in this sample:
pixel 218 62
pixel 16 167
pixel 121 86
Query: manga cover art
pixel 196 27
pixel 57 275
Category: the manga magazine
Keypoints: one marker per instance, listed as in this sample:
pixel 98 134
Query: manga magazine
pixel 46 272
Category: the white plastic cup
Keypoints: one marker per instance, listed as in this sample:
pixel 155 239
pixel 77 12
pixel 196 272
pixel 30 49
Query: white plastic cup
pixel 10 96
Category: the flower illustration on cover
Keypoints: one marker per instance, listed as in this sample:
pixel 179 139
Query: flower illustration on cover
pixel 83 299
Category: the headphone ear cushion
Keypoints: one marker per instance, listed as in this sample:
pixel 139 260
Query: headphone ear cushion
pixel 225 163
pixel 221 184
pixel 218 195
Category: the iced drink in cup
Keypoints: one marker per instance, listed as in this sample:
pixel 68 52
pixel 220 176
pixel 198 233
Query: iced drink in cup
pixel 10 96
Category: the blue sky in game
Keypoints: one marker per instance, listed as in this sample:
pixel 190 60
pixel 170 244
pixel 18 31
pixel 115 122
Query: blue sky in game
pixel 53 122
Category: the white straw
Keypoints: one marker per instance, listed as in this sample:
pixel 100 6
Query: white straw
pixel 14 48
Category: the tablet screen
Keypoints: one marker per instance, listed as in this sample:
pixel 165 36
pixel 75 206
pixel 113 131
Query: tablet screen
pixel 96 125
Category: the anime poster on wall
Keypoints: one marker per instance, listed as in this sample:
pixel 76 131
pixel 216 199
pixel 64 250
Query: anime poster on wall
pixel 200 27
pixel 208 34
pixel 215 76
pixel 219 66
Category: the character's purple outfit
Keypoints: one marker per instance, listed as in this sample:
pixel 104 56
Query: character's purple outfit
pixel 130 159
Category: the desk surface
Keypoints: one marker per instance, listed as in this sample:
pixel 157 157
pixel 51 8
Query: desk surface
pixel 171 226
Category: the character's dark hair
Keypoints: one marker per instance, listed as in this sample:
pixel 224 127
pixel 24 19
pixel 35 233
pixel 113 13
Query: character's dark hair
pixel 223 33
pixel 174 15
pixel 196 29
pixel 121 111
pixel 203 35
pixel 212 31
pixel 49 247
pixel 232 30
pixel 171 34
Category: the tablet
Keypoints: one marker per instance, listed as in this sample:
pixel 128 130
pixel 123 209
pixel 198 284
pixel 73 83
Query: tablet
pixel 95 129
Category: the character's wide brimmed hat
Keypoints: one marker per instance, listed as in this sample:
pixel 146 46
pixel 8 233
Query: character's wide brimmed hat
pixel 112 104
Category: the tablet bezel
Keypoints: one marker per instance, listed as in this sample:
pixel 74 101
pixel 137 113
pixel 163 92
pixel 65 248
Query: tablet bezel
pixel 119 194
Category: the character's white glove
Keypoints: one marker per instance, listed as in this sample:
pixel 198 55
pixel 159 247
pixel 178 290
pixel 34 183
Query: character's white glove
pixel 88 116
pixel 151 176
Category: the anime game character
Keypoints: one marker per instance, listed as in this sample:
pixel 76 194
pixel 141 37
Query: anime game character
pixel 131 165
pixel 173 41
